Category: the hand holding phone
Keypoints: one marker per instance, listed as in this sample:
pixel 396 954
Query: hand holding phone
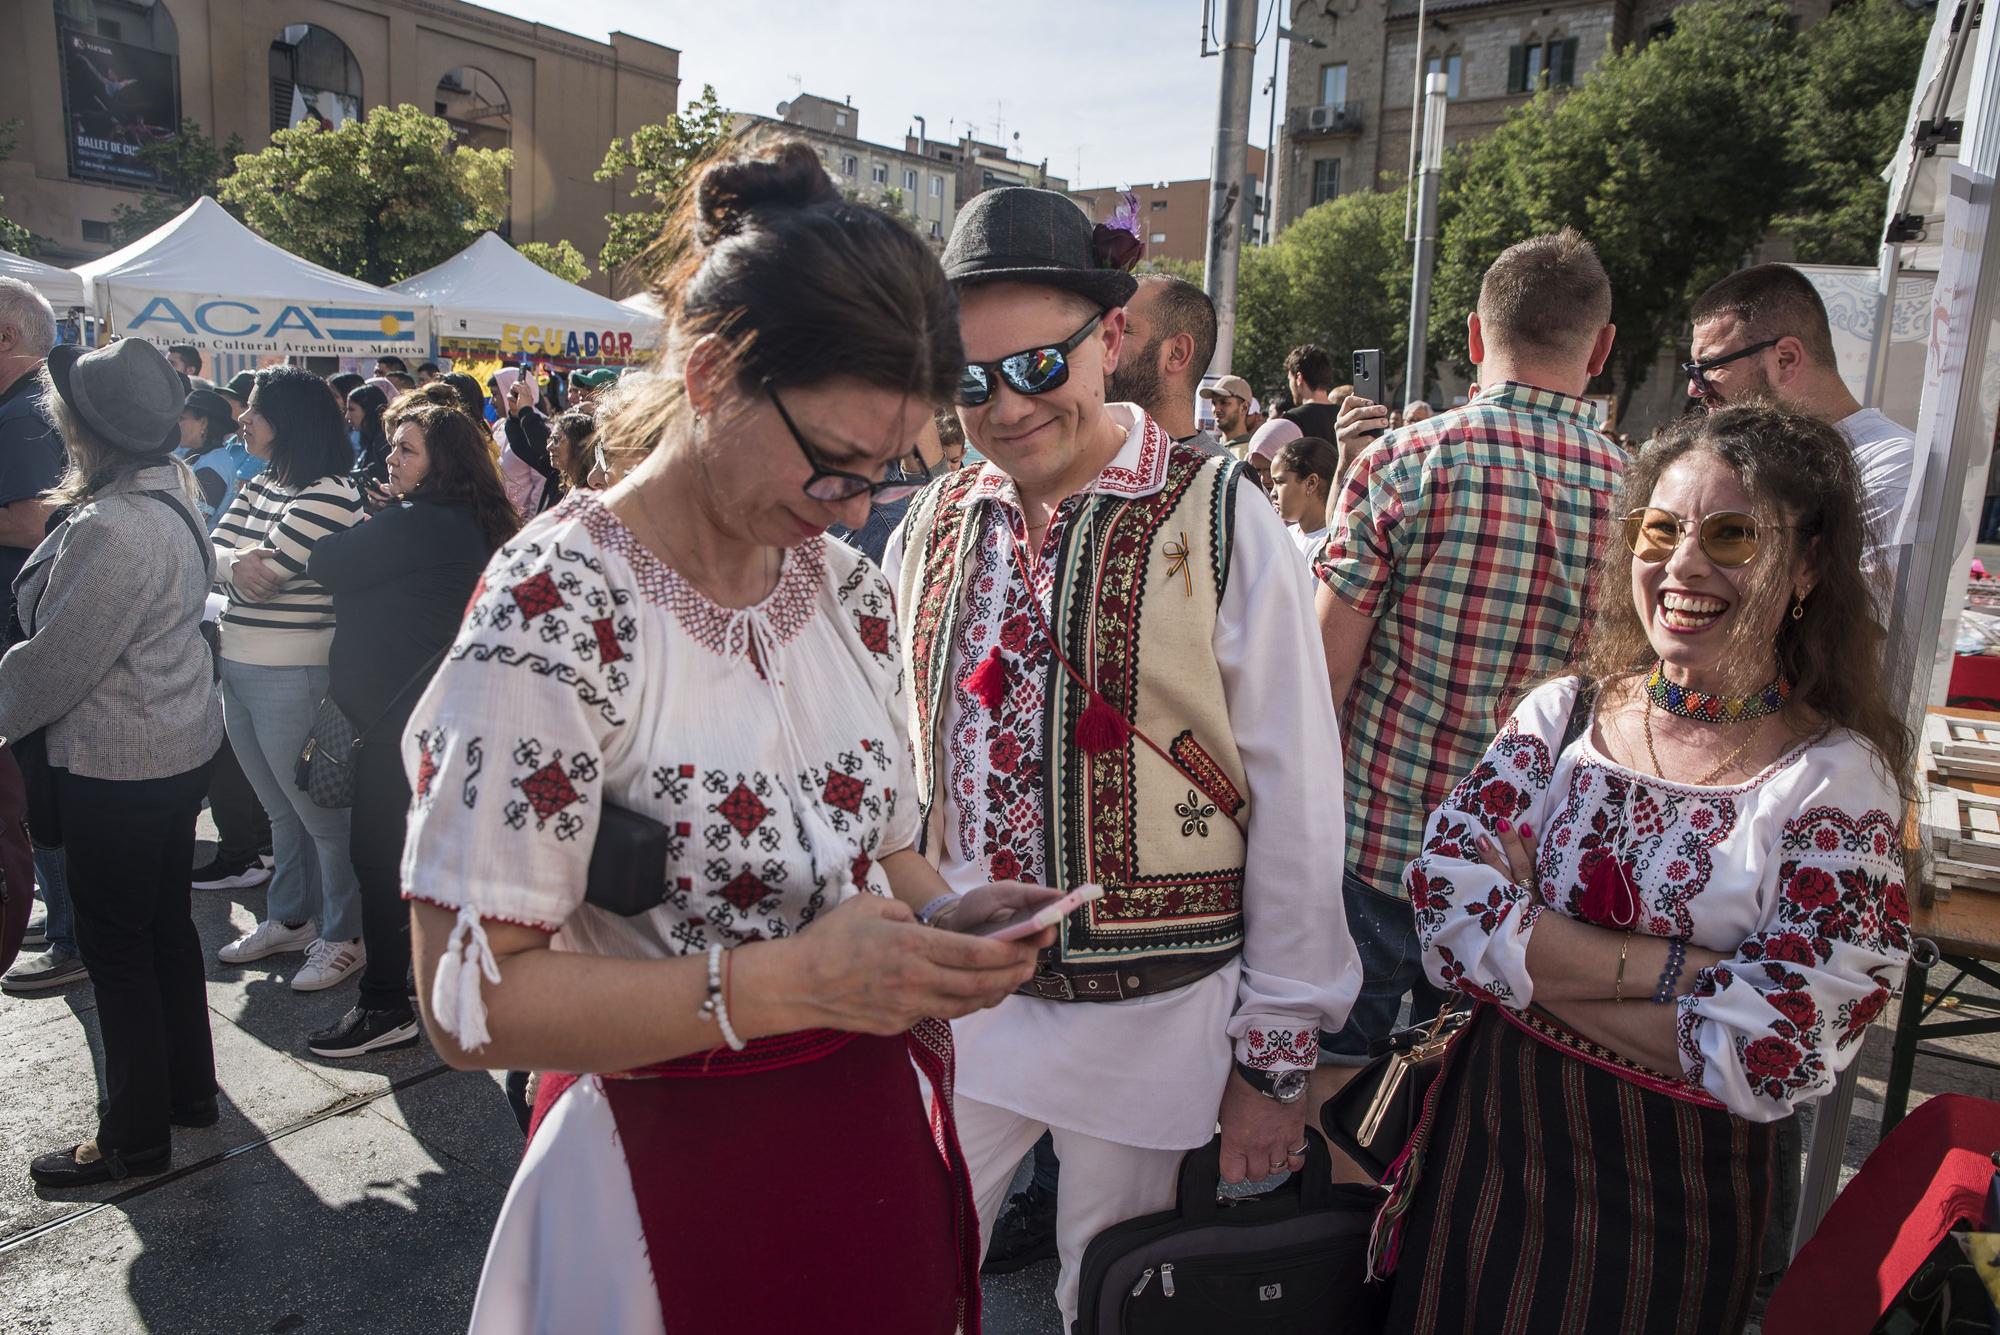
pixel 1035 918
pixel 1368 379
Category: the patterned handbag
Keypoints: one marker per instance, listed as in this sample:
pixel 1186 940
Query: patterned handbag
pixel 325 769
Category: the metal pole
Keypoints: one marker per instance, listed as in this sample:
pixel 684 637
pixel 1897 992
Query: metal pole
pixel 1271 135
pixel 1226 206
pixel 1888 274
pixel 1415 370
pixel 1416 97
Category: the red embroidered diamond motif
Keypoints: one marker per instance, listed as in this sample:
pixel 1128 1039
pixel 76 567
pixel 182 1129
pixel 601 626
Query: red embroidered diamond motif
pixel 608 648
pixel 549 790
pixel 746 892
pixel 742 810
pixel 426 771
pixel 844 791
pixel 860 868
pixel 536 596
pixel 875 633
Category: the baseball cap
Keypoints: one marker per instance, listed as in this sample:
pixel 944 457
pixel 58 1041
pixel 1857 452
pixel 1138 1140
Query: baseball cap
pixel 1228 387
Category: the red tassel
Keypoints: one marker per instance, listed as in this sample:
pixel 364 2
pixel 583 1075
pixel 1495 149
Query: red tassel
pixel 1102 728
pixel 988 681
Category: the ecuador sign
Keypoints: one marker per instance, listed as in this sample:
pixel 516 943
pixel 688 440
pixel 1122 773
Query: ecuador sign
pixel 264 325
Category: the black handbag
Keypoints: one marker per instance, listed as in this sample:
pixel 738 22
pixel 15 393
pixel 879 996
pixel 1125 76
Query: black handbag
pixel 1374 1115
pixel 628 863
pixel 1292 1260
pixel 324 771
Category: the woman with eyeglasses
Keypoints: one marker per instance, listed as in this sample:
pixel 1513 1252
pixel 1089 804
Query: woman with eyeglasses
pixel 1678 926
pixel 682 676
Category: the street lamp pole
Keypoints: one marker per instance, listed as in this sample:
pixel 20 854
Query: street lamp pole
pixel 1227 210
pixel 1427 211
pixel 1271 131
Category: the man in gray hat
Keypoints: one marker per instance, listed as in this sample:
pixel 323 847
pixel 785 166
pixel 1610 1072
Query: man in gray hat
pixel 1231 397
pixel 1114 664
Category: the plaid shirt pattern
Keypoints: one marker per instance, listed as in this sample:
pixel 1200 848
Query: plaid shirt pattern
pixel 1469 539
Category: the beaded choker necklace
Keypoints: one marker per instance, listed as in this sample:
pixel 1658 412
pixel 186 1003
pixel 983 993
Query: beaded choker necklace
pixel 1686 702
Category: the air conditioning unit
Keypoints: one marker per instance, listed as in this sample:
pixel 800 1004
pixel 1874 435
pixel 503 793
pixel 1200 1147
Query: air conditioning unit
pixel 1323 118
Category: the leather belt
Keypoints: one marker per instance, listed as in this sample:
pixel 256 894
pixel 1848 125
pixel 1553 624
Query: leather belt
pixel 1135 978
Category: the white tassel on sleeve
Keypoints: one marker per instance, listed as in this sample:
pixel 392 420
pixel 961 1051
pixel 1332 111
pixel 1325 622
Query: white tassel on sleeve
pixel 455 996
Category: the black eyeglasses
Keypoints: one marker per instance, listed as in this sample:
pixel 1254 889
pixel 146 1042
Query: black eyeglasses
pixel 833 484
pixel 1036 371
pixel 1697 371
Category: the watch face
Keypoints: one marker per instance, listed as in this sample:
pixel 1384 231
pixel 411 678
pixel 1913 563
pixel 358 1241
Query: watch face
pixel 1290 1085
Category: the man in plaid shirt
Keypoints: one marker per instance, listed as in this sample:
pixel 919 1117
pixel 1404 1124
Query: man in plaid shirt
pixel 1453 578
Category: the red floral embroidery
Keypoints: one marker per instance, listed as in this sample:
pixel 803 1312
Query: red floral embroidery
pixel 1770 1058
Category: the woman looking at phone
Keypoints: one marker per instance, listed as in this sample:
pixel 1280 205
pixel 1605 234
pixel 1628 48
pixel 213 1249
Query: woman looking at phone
pixel 687 647
pixel 1684 920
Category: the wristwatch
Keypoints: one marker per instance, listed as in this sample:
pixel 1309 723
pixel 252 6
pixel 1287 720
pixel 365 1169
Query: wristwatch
pixel 1284 1086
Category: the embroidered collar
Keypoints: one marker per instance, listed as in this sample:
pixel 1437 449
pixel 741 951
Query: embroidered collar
pixel 1138 469
pixel 721 630
pixel 1542 402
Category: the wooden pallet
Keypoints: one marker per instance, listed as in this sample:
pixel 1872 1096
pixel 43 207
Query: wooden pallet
pixel 1964 831
pixel 1963 748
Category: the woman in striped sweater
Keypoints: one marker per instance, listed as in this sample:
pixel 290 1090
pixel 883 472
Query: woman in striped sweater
pixel 276 631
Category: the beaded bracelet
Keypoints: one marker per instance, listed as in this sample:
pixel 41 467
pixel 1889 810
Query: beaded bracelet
pixel 1677 951
pixel 729 1035
pixel 715 1007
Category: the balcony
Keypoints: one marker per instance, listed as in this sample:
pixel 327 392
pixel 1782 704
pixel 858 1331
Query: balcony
pixel 1329 119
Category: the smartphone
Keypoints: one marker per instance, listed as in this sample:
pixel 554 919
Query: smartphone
pixel 1029 921
pixel 1368 379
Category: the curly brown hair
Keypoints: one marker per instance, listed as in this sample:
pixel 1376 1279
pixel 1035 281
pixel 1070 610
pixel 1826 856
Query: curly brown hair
pixel 1803 469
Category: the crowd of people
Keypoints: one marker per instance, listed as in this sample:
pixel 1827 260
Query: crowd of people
pixel 709 730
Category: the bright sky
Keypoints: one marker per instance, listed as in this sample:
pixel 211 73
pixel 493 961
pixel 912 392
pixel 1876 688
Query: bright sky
pixel 1120 84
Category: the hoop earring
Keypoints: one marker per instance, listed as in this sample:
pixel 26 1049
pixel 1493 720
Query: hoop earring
pixel 1798 608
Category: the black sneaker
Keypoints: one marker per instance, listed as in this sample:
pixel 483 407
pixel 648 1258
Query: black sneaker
pixel 361 1031
pixel 219 873
pixel 1025 1233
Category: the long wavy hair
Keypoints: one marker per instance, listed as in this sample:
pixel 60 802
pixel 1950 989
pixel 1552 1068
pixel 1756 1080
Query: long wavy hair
pixel 461 471
pixel 1801 469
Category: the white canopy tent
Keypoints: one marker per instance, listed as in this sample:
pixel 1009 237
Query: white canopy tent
pixel 206 279
pixel 646 304
pixel 492 293
pixel 63 288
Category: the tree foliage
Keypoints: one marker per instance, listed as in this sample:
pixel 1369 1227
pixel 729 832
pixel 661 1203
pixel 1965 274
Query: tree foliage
pixel 13 236
pixel 191 165
pixel 379 198
pixel 659 159
pixel 558 257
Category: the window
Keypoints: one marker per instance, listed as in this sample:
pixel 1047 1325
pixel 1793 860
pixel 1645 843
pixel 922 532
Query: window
pixel 1157 239
pixel 910 179
pixel 1326 179
pixel 1536 65
pixel 475 105
pixel 840 120
pixel 1450 67
pixel 1332 84
pixel 878 172
pixel 849 164
pixel 100 232
pixel 314 77
pixel 937 187
pixel 937 230
pixel 1159 204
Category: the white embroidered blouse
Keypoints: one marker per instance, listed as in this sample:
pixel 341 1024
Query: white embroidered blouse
pixel 769 740
pixel 1796 874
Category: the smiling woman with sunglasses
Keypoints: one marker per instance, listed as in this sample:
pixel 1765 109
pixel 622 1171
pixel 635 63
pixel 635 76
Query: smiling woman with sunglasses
pixel 683 675
pixel 1682 907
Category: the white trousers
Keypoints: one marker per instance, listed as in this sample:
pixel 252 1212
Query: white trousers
pixel 1103 1183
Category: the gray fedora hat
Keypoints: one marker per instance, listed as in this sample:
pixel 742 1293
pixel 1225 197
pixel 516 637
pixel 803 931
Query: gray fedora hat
pixel 125 393
pixel 1018 234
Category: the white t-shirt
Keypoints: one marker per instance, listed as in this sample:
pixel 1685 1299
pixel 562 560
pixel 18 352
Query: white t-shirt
pixel 1886 455
pixel 1306 541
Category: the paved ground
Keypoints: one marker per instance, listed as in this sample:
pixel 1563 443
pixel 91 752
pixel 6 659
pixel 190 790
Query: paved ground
pixel 340 1197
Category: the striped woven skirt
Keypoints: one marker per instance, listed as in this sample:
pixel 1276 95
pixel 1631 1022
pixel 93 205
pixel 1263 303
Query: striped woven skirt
pixel 1561 1195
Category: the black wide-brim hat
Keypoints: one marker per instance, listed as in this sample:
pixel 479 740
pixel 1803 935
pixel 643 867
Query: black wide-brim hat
pixel 1018 234
pixel 126 394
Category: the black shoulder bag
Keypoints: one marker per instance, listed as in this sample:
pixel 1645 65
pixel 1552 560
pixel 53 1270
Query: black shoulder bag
pixel 1374 1115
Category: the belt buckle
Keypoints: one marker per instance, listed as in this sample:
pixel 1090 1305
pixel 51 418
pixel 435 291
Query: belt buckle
pixel 1053 987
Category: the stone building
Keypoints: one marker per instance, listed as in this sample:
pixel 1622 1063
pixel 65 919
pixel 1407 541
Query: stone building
pixel 91 80
pixel 1172 214
pixel 914 182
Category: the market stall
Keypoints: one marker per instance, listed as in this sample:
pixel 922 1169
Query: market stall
pixel 492 302
pixel 63 288
pixel 206 279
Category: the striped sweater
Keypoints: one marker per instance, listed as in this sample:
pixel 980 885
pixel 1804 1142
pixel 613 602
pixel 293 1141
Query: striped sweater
pixel 294 628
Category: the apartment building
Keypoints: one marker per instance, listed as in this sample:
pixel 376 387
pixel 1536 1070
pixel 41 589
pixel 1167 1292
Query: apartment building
pixel 1173 215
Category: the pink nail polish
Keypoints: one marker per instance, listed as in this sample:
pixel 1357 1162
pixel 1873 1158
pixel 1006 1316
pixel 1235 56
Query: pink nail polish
pixel 1526 833
pixel 1501 825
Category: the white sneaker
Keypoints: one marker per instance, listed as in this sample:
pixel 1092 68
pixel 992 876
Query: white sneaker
pixel 271 938
pixel 327 963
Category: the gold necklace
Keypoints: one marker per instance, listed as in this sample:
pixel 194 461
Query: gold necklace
pixel 1713 774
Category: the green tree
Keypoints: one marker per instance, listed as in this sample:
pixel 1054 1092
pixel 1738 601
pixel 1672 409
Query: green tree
pixel 191 165
pixel 13 236
pixel 559 258
pixel 379 198
pixel 1857 69
pixel 1670 158
pixel 659 159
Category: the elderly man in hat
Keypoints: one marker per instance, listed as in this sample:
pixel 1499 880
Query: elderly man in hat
pixel 1117 679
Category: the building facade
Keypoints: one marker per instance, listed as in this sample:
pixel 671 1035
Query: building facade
pixel 901 178
pixel 92 80
pixel 1173 215
pixel 1348 103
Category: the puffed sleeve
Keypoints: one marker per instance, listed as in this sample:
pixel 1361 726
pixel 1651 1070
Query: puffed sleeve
pixel 1770 1028
pixel 505 754
pixel 1473 922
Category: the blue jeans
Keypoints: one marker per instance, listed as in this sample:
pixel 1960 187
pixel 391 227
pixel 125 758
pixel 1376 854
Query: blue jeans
pixel 1392 966
pixel 52 876
pixel 268 712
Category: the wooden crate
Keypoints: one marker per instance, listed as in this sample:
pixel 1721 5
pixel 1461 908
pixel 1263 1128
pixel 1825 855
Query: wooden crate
pixel 1963 748
pixel 1964 830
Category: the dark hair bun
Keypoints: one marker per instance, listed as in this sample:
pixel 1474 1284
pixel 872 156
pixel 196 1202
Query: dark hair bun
pixel 791 177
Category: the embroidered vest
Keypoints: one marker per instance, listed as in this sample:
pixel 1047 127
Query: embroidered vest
pixel 1139 581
